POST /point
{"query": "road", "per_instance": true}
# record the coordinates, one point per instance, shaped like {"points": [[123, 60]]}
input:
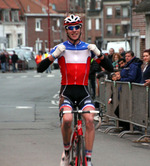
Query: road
{"points": [[30, 132]]}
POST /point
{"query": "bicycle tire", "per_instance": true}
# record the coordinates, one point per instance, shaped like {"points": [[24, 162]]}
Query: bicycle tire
{"points": [[73, 152], [80, 158]]}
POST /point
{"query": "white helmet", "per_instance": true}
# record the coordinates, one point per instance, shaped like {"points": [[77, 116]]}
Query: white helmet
{"points": [[72, 20]]}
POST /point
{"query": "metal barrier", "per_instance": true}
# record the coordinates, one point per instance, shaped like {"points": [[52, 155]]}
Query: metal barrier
{"points": [[131, 99]]}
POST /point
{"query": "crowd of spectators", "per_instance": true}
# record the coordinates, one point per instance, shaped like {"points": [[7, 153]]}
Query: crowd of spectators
{"points": [[127, 68], [131, 68]]}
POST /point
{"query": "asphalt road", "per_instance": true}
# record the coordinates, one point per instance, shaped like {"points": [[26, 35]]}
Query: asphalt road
{"points": [[30, 132]]}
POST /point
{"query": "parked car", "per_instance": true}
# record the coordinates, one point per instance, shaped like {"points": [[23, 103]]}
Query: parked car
{"points": [[27, 56], [22, 63]]}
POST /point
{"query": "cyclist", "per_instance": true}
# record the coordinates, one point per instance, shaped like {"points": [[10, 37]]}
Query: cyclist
{"points": [[74, 57]]}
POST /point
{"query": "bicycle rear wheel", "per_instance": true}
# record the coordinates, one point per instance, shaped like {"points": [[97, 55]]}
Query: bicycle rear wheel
{"points": [[73, 152], [80, 158]]}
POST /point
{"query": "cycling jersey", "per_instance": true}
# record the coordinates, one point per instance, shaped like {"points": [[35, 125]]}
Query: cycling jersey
{"points": [[74, 63]]}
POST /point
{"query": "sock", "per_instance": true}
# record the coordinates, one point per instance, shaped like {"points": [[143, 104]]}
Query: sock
{"points": [[88, 154], [67, 148]]}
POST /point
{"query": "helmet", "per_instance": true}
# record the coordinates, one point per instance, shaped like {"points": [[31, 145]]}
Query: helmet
{"points": [[72, 20]]}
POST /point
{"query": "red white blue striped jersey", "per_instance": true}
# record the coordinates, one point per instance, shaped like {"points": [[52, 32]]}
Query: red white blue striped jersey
{"points": [[74, 63]]}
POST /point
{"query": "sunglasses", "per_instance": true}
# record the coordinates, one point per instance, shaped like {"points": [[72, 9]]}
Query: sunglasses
{"points": [[72, 27]]}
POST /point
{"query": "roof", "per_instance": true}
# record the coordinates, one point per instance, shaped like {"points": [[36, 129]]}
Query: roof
{"points": [[144, 6], [8, 4], [33, 7], [61, 5]]}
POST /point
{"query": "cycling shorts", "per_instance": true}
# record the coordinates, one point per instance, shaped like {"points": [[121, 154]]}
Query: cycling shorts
{"points": [[73, 96]]}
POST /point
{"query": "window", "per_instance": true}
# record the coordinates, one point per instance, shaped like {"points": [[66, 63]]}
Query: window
{"points": [[117, 12], [53, 6], [38, 24], [109, 12], [125, 28], [1, 15], [8, 36], [6, 16], [88, 5], [97, 24], [14, 16], [109, 29], [89, 24], [56, 24], [125, 12], [89, 40], [118, 29], [19, 39], [98, 5]]}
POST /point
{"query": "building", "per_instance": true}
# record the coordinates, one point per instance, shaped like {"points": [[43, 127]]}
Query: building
{"points": [[138, 31], [116, 20], [142, 9], [12, 26], [43, 27], [93, 22]]}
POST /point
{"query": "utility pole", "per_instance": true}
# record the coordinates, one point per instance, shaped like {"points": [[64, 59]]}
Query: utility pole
{"points": [[86, 21], [48, 12], [67, 7], [131, 23]]}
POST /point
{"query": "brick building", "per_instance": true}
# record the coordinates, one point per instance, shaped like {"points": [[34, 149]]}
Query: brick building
{"points": [[35, 15], [93, 27], [116, 20], [142, 10], [138, 30]]}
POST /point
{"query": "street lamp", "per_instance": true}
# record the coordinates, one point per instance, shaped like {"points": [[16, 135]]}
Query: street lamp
{"points": [[48, 12]]}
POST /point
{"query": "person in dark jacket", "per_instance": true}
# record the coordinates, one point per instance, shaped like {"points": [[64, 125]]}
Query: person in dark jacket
{"points": [[3, 62], [132, 70], [110, 55], [94, 68], [122, 52], [14, 59], [146, 70]]}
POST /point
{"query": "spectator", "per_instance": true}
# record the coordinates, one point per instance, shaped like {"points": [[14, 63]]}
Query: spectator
{"points": [[122, 52], [3, 62], [94, 67], [14, 59], [7, 60], [49, 68], [147, 82], [146, 70], [110, 55], [115, 59], [118, 76], [121, 63], [104, 73], [132, 70], [39, 58]]}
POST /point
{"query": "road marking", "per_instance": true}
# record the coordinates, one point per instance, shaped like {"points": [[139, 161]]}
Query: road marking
{"points": [[9, 77], [23, 76], [145, 144], [53, 107], [56, 96], [50, 75], [23, 107], [54, 102], [37, 76]]}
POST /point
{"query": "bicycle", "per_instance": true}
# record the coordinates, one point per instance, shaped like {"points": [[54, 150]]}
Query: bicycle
{"points": [[77, 148]]}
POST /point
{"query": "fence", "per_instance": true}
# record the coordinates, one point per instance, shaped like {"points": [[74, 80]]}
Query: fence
{"points": [[131, 99]]}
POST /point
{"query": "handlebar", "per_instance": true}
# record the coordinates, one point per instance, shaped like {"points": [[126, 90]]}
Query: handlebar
{"points": [[80, 112]]}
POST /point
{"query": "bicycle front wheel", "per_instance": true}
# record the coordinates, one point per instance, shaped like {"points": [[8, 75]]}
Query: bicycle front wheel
{"points": [[80, 158]]}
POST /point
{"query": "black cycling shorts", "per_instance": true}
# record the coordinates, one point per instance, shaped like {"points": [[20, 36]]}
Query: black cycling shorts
{"points": [[73, 96]]}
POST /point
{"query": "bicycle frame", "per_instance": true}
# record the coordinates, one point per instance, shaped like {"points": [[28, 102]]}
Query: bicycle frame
{"points": [[77, 148]]}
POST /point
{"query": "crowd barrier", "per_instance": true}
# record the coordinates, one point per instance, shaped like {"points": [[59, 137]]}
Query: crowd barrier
{"points": [[131, 99]]}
